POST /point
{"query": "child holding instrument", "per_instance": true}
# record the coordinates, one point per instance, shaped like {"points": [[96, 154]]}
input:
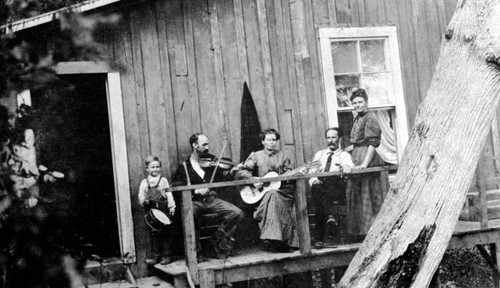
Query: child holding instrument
{"points": [[160, 207]]}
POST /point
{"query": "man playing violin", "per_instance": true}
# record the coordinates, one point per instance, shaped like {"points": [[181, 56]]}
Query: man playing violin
{"points": [[206, 201]]}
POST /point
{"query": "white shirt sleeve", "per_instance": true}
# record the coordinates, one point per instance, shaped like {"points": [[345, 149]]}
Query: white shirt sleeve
{"points": [[346, 160], [316, 158], [170, 199], [143, 188]]}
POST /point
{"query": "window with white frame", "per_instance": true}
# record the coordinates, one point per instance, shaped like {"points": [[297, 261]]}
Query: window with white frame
{"points": [[367, 58]]}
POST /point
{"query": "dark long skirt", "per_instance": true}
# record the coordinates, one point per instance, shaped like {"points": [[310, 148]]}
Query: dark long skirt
{"points": [[276, 217], [365, 194]]}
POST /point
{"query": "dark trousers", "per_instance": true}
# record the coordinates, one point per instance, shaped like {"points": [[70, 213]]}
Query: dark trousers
{"points": [[230, 214], [332, 189], [160, 242]]}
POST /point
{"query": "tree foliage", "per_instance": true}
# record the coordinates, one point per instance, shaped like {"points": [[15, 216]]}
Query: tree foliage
{"points": [[25, 9], [29, 252]]}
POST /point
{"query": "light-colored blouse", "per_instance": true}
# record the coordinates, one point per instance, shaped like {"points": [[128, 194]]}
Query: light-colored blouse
{"points": [[262, 162]]}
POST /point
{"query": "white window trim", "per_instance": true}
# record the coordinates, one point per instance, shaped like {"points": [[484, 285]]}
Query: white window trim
{"points": [[400, 117], [118, 148]]}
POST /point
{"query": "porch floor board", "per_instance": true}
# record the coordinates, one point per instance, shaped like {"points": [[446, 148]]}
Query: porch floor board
{"points": [[253, 263]]}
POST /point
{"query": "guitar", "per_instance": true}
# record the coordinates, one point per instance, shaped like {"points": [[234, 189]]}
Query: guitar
{"points": [[252, 195]]}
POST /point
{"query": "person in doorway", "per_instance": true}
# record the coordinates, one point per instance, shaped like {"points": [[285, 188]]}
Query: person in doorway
{"points": [[326, 190], [206, 201], [275, 212], [151, 196], [365, 192]]}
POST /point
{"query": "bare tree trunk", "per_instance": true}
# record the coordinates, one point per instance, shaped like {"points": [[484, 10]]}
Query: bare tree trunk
{"points": [[410, 235]]}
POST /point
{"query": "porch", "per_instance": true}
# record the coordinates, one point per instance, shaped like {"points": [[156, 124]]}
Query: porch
{"points": [[250, 264]]}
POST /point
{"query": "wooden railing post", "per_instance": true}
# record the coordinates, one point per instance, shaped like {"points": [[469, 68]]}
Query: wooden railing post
{"points": [[483, 202], [302, 217], [189, 235]]}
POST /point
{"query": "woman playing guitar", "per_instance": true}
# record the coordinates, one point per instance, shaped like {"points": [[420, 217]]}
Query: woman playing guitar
{"points": [[275, 212]]}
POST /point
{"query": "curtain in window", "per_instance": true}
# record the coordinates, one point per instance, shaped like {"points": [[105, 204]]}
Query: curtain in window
{"points": [[387, 148]]}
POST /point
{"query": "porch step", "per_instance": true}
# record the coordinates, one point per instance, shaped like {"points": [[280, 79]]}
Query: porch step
{"points": [[148, 282]]}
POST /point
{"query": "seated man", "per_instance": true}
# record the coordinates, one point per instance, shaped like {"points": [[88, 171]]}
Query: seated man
{"points": [[328, 189], [206, 201]]}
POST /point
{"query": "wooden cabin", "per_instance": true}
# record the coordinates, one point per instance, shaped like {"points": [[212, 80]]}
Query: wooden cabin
{"points": [[183, 67]]}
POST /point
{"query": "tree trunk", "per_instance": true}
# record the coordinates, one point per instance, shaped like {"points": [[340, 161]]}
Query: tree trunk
{"points": [[411, 233]]}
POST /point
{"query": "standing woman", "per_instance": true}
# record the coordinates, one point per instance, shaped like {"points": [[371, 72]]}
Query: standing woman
{"points": [[365, 192], [275, 213]]}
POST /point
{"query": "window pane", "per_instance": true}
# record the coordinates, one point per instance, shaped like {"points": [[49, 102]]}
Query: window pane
{"points": [[372, 55], [344, 85], [344, 57], [377, 87]]}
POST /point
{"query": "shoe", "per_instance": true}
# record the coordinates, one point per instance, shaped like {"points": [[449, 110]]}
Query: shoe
{"points": [[277, 247], [319, 245], [283, 248], [166, 260]]}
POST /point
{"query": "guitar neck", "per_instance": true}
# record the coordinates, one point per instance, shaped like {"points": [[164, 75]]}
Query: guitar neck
{"points": [[310, 167]]}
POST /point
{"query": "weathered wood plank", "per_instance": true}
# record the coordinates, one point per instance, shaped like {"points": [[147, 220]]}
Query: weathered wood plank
{"points": [[180, 60], [302, 217], [220, 89], [232, 73], [134, 138], [495, 134], [362, 18], [391, 12], [166, 86], [482, 196], [240, 38], [300, 50], [189, 235], [433, 30], [332, 13], [180, 86], [343, 12], [316, 99], [290, 58], [155, 103], [192, 101], [266, 63], [285, 266], [422, 46], [256, 84], [140, 94], [355, 15], [321, 13], [206, 78], [85, 67], [409, 62], [278, 66], [371, 12], [207, 279], [278, 178]]}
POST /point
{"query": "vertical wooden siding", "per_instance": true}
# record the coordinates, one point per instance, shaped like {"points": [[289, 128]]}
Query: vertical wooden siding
{"points": [[187, 60]]}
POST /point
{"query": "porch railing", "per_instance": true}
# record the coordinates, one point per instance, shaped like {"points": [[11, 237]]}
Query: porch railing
{"points": [[300, 205]]}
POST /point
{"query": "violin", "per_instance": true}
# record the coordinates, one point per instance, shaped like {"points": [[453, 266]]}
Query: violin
{"points": [[224, 163]]}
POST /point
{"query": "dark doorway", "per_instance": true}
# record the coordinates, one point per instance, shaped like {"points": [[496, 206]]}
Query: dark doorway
{"points": [[73, 137]]}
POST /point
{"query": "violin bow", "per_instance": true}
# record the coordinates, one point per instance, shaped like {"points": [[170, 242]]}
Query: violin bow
{"points": [[218, 161]]}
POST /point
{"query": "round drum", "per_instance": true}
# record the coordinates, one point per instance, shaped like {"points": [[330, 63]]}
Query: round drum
{"points": [[157, 220]]}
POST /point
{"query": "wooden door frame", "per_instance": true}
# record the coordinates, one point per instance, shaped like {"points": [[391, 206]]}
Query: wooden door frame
{"points": [[118, 148]]}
